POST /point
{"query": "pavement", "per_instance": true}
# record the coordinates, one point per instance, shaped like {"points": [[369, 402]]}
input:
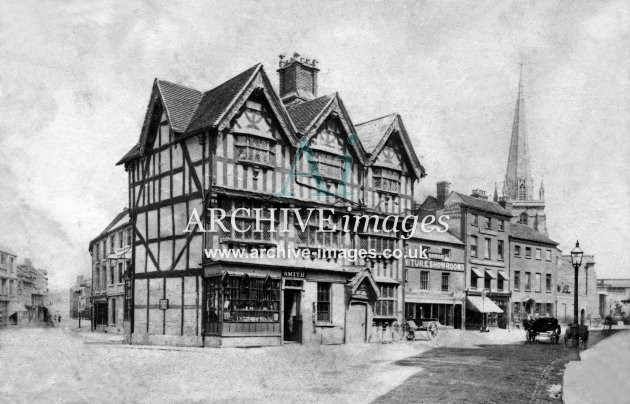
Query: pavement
{"points": [[603, 373]]}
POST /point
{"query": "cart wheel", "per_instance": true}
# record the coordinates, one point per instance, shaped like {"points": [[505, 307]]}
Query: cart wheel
{"points": [[432, 331]]}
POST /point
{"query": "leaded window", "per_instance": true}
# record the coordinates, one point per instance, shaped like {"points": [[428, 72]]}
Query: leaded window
{"points": [[376, 243], [386, 304], [386, 180], [313, 237], [253, 149], [245, 220]]}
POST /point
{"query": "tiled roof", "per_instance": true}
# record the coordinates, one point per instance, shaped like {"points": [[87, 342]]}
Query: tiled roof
{"points": [[483, 205], [120, 219], [523, 232], [216, 101], [434, 235], [304, 113], [181, 103], [371, 132], [131, 154]]}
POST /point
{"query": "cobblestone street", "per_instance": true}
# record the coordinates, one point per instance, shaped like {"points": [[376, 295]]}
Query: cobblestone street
{"points": [[487, 374]]}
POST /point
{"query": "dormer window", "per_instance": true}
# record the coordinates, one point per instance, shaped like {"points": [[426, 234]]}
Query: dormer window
{"points": [[386, 180], [255, 150]]}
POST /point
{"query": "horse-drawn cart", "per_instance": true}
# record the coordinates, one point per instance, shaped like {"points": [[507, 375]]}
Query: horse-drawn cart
{"points": [[545, 326], [608, 323], [428, 325], [578, 334]]}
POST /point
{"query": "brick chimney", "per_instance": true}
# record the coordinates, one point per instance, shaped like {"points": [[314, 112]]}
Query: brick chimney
{"points": [[479, 193], [298, 79], [443, 189]]}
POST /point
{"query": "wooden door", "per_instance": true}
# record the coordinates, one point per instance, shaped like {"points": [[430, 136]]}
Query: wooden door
{"points": [[356, 329]]}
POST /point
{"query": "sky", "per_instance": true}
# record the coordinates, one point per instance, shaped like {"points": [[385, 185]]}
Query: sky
{"points": [[76, 77]]}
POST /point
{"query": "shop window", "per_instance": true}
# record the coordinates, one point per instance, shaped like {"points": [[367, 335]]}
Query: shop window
{"points": [[445, 278], [424, 280], [253, 149], [386, 180], [528, 281], [517, 280], [243, 299], [473, 246], [488, 250], [500, 249], [517, 251], [548, 282], [528, 252], [323, 302], [386, 304]]}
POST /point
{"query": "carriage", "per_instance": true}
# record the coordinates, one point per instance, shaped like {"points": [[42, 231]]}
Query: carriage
{"points": [[578, 334], [429, 325], [546, 326]]}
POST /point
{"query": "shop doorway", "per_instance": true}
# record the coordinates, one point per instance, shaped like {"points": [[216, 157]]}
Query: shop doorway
{"points": [[457, 317], [292, 317], [356, 331]]}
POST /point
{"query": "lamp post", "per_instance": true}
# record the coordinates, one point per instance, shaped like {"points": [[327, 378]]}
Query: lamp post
{"points": [[484, 321], [576, 261]]}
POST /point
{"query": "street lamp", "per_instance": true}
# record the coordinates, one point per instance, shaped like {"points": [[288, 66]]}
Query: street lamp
{"points": [[484, 321], [576, 261]]}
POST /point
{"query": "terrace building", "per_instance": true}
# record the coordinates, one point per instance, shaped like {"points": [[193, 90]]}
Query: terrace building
{"points": [[237, 147], [111, 260], [9, 307]]}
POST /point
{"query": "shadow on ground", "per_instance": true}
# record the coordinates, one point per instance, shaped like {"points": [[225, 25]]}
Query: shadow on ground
{"points": [[487, 374]]}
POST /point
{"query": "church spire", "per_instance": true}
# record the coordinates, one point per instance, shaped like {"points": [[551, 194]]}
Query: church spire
{"points": [[518, 178]]}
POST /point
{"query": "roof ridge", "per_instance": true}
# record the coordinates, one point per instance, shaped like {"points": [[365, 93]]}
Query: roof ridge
{"points": [[178, 85], [376, 119]]}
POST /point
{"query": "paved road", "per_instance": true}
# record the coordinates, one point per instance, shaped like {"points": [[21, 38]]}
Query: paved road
{"points": [[489, 374]]}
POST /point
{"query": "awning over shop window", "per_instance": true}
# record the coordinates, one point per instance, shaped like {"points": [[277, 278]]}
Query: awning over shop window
{"points": [[491, 274], [478, 271], [503, 275], [481, 305]]}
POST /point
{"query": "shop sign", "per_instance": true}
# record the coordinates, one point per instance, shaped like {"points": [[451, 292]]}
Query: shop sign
{"points": [[293, 274], [163, 304], [436, 256], [433, 264]]}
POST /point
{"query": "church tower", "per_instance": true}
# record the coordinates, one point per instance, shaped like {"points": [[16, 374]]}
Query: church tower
{"points": [[518, 187]]}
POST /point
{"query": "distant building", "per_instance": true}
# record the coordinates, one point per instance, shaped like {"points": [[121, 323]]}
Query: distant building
{"points": [[8, 288], [518, 186], [614, 297], [80, 297], [32, 293], [588, 299], [111, 260]]}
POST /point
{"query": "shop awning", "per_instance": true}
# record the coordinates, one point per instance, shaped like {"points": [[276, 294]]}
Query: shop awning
{"points": [[478, 272], [491, 274], [481, 305], [504, 275]]}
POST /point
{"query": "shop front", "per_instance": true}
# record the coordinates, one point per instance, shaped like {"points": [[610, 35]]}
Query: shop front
{"points": [[256, 305], [487, 310]]}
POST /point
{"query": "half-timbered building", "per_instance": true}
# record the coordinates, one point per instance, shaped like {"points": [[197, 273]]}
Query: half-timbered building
{"points": [[240, 147]]}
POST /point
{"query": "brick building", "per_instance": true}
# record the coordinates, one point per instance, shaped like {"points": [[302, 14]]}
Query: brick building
{"points": [[111, 259], [9, 307], [233, 148], [534, 272], [434, 285]]}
